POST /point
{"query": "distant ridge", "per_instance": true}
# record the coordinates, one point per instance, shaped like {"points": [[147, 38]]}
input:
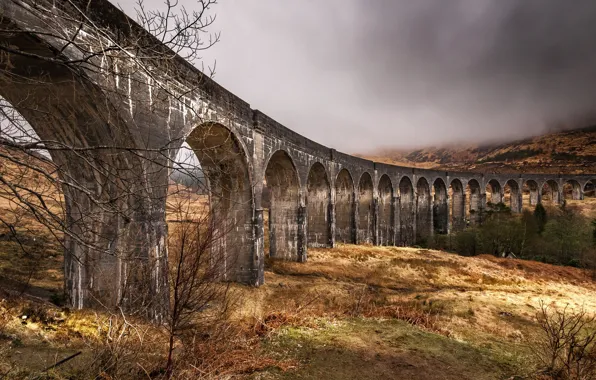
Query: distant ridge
{"points": [[566, 151]]}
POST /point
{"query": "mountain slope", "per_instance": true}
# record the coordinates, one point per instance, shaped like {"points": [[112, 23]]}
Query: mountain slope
{"points": [[568, 151]]}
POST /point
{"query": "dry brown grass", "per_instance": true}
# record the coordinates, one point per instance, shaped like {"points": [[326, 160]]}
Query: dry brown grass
{"points": [[487, 294], [120, 348], [479, 300]]}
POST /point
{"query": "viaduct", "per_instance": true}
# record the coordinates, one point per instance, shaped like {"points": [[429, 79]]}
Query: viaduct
{"points": [[314, 196]]}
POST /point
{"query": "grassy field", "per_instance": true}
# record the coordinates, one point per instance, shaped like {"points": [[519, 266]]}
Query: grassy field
{"points": [[357, 312]]}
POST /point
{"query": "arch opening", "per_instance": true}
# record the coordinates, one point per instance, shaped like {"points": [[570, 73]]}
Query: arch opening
{"points": [[572, 190], [474, 210], [386, 233], [365, 210], [550, 194], [457, 210], [344, 207], [317, 207], [33, 206], [494, 193], [281, 199], [530, 193], [590, 189], [424, 225], [512, 196], [407, 212], [440, 208], [230, 199]]}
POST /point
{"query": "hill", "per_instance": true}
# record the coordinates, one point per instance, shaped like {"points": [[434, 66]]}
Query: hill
{"points": [[571, 151]]}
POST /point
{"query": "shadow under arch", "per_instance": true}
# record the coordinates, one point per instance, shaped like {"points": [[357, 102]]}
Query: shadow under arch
{"points": [[494, 193], [474, 209], [440, 207], [225, 165], [512, 195], [423, 212], [457, 205], [407, 212], [386, 232], [344, 207], [530, 191], [590, 188], [550, 194], [281, 196], [318, 200], [365, 210], [572, 190]]}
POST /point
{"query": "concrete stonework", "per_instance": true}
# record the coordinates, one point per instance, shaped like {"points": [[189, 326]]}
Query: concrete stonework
{"points": [[314, 195]]}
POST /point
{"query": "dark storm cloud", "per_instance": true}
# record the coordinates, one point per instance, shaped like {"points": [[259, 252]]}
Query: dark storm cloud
{"points": [[482, 69], [360, 74]]}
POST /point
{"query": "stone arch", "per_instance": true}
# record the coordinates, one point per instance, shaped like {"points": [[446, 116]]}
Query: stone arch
{"points": [[494, 193], [512, 195], [344, 207], [530, 191], [407, 212], [590, 189], [550, 192], [365, 209], [474, 209], [74, 109], [457, 209], [572, 190], [225, 165], [423, 211], [281, 195], [318, 200], [440, 207], [386, 231]]}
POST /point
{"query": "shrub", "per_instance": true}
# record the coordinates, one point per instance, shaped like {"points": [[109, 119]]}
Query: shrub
{"points": [[512, 155], [466, 242], [566, 347]]}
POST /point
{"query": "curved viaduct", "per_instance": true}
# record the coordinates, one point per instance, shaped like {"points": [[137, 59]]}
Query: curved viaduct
{"points": [[314, 196]]}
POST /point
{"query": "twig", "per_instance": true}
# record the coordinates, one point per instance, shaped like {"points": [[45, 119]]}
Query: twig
{"points": [[62, 361]]}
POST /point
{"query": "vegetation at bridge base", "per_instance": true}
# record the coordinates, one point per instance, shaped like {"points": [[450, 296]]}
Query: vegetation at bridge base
{"points": [[560, 235]]}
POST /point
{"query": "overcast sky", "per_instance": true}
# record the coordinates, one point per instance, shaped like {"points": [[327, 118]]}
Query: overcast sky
{"points": [[363, 74]]}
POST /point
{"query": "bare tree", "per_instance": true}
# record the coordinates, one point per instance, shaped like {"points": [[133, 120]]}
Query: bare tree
{"points": [[566, 347], [199, 292], [79, 81]]}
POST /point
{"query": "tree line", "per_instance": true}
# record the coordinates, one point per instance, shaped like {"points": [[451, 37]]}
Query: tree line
{"points": [[557, 235]]}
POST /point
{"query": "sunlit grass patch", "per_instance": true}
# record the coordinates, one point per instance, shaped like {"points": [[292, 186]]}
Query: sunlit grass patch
{"points": [[372, 348]]}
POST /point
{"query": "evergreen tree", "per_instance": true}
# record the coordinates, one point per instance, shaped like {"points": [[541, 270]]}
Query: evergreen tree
{"points": [[540, 216]]}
